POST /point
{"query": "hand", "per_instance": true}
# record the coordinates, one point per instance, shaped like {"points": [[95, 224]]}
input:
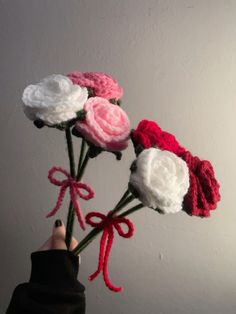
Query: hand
{"points": [[57, 239]]}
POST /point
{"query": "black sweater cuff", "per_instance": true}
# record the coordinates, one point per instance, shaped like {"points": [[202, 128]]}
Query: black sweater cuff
{"points": [[55, 267], [53, 286]]}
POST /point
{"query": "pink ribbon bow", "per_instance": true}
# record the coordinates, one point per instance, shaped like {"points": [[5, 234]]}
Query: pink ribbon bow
{"points": [[75, 191], [108, 224]]}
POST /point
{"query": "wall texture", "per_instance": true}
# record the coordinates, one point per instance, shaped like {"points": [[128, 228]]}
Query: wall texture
{"points": [[176, 60]]}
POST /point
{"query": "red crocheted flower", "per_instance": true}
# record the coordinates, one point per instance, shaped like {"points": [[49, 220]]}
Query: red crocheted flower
{"points": [[203, 193], [102, 85], [149, 134]]}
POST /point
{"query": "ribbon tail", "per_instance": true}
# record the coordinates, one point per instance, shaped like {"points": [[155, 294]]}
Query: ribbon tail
{"points": [[78, 210], [59, 202], [105, 265], [101, 256]]}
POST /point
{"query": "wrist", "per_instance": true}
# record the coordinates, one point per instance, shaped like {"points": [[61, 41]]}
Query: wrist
{"points": [[54, 267]]}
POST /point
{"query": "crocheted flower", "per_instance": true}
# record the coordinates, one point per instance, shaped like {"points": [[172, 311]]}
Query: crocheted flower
{"points": [[149, 134], [160, 179], [102, 85], [54, 100], [106, 125], [203, 193]]}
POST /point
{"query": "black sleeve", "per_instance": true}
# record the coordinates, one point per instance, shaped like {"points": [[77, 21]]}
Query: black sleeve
{"points": [[53, 286]]}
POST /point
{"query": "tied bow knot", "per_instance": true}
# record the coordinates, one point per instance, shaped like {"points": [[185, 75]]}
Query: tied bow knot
{"points": [[107, 224], [76, 190]]}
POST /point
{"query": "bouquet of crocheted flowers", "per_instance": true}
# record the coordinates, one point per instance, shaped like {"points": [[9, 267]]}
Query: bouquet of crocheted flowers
{"points": [[164, 176]]}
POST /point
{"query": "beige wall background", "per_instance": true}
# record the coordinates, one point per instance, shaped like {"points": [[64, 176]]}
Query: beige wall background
{"points": [[176, 60]]}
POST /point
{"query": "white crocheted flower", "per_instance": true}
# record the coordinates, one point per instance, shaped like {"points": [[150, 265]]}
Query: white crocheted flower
{"points": [[161, 180], [54, 100]]}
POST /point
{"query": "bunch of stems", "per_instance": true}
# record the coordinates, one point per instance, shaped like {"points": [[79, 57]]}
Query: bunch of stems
{"points": [[82, 163], [124, 201]]}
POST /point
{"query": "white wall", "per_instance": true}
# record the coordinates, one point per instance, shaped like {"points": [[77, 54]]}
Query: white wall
{"points": [[176, 60]]}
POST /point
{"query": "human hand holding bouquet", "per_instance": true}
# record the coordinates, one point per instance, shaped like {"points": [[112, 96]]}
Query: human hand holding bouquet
{"points": [[164, 175]]}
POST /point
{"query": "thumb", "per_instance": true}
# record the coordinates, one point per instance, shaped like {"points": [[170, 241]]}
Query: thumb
{"points": [[58, 236]]}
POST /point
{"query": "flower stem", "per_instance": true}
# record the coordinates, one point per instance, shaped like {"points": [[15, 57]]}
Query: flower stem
{"points": [[125, 195], [131, 210], [122, 205], [85, 242], [81, 156], [71, 214], [70, 152], [83, 166], [126, 199], [69, 225]]}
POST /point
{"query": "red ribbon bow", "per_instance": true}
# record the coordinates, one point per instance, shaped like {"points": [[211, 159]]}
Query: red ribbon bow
{"points": [[108, 224], [75, 190]]}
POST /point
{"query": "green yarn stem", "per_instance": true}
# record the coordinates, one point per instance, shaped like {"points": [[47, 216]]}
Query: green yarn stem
{"points": [[125, 195], [122, 204], [70, 225], [85, 242], [126, 199], [70, 152], [131, 210], [71, 212], [83, 166], [81, 157]]}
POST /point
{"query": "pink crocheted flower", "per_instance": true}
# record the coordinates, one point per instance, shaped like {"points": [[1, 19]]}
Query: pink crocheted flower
{"points": [[106, 125], [103, 85]]}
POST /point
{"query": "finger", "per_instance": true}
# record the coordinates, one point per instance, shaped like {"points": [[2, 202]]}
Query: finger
{"points": [[47, 245], [73, 245], [58, 236]]}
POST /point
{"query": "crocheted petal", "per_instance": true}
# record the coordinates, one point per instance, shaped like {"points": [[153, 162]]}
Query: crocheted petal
{"points": [[113, 146], [202, 201], [141, 138], [81, 79], [104, 120], [209, 184], [102, 84], [104, 130], [112, 119], [190, 200], [88, 135]]}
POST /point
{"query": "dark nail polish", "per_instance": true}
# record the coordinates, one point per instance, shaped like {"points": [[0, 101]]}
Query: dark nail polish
{"points": [[58, 223]]}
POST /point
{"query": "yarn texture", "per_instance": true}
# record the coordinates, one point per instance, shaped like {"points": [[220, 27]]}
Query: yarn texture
{"points": [[54, 100], [108, 224], [161, 180], [102, 84], [75, 188], [106, 125], [149, 134], [203, 194], [164, 176]]}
